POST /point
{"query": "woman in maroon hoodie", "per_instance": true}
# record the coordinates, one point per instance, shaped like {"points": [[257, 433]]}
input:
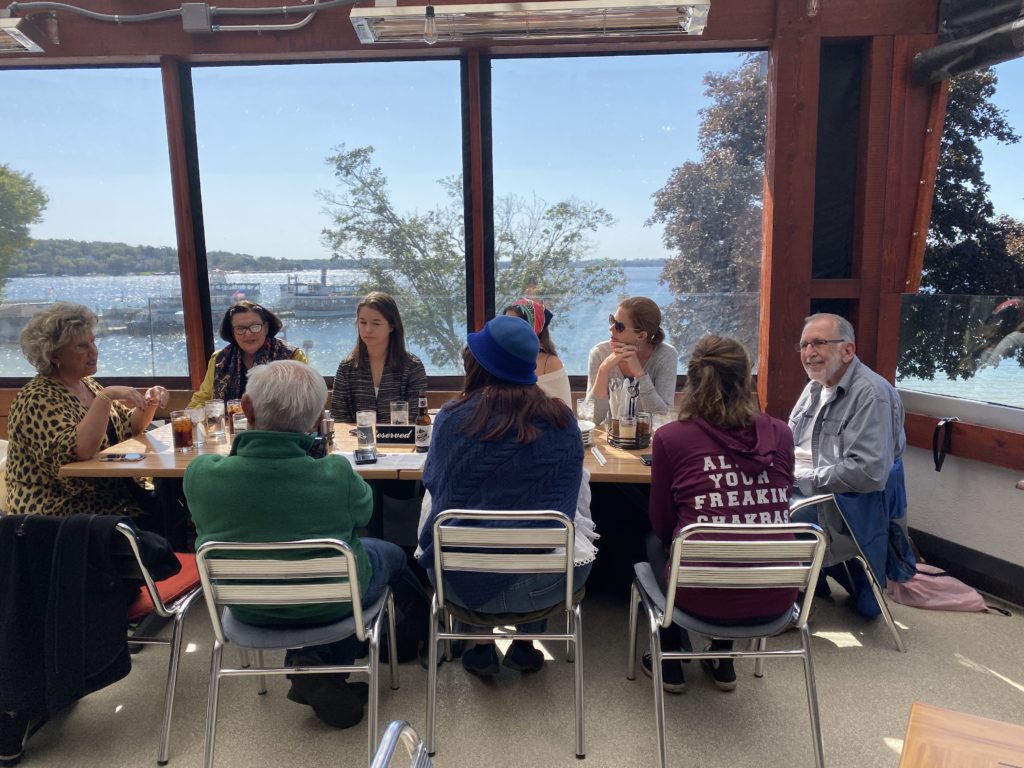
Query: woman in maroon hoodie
{"points": [[722, 462]]}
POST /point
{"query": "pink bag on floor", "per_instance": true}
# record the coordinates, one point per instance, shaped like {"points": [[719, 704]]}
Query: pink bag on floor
{"points": [[935, 589]]}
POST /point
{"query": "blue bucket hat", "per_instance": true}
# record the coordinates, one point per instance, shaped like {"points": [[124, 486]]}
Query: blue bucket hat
{"points": [[507, 349]]}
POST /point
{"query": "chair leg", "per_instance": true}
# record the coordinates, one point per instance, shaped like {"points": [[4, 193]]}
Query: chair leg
{"points": [[432, 674], [575, 618], [634, 606], [449, 626], [372, 702], [570, 646], [211, 704], [392, 643], [659, 694], [876, 589], [812, 697], [261, 680], [761, 643], [173, 662]]}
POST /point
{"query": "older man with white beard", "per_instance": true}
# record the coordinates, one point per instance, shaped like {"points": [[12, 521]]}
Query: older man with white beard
{"points": [[848, 434]]}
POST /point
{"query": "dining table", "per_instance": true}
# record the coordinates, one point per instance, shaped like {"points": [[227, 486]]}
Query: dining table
{"points": [[606, 463]]}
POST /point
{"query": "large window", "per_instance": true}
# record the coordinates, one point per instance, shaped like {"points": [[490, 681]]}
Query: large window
{"points": [[359, 163], [86, 212], [963, 335], [625, 176]]}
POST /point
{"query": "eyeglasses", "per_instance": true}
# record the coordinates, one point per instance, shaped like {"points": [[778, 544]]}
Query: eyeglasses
{"points": [[619, 327], [253, 329], [818, 344]]}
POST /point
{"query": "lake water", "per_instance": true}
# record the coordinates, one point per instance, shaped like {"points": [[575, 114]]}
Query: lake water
{"points": [[328, 341]]}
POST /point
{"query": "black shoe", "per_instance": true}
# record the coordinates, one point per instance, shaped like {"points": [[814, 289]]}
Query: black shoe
{"points": [[361, 689], [672, 679], [723, 672], [13, 732], [337, 706], [523, 657], [481, 660]]}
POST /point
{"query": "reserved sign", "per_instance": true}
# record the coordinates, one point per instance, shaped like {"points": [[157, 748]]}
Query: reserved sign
{"points": [[388, 434]]}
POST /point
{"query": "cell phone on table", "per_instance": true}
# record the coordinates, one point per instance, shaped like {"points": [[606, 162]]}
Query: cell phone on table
{"points": [[646, 459], [365, 455], [121, 456]]}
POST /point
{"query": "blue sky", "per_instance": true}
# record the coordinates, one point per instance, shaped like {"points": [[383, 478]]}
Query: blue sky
{"points": [[608, 130]]}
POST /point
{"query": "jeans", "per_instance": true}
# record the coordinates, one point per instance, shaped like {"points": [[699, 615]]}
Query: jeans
{"points": [[528, 593], [386, 561]]}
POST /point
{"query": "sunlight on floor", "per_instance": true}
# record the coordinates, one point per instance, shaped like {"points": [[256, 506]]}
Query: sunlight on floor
{"points": [[191, 648], [982, 668], [840, 639], [896, 745]]}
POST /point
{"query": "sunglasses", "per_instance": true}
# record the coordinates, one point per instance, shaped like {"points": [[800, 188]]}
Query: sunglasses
{"points": [[619, 327]]}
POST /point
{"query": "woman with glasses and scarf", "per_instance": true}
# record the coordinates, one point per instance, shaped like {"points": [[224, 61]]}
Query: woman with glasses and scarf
{"points": [[636, 350], [250, 331]]}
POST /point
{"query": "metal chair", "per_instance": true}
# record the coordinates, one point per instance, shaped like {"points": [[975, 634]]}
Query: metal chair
{"points": [[168, 599], [753, 557], [843, 547], [503, 546], [261, 574], [400, 732]]}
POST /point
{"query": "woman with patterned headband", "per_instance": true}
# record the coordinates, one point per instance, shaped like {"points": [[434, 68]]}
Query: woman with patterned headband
{"points": [[250, 331], [551, 374]]}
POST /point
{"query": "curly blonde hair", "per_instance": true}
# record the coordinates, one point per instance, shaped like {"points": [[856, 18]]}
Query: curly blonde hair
{"points": [[52, 329]]}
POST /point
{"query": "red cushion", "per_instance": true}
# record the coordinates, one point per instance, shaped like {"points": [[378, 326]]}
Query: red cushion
{"points": [[169, 589]]}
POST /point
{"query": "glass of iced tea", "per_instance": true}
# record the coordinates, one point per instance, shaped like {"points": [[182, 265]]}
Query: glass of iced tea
{"points": [[231, 408], [182, 431]]}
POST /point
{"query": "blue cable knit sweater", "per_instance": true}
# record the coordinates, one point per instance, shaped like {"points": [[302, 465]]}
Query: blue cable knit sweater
{"points": [[464, 472]]}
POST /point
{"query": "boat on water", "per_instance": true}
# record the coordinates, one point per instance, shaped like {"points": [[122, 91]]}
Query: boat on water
{"points": [[305, 301], [164, 315]]}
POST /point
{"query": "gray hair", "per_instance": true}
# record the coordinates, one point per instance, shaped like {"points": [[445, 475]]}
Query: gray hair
{"points": [[843, 326], [53, 329], [287, 396]]}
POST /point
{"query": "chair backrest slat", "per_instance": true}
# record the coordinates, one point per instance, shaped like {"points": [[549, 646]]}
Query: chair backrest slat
{"points": [[281, 594], [511, 563], [316, 567], [700, 550], [476, 536], [546, 535], [742, 578], [283, 573]]}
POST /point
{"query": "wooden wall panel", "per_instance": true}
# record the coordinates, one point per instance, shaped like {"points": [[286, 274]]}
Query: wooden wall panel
{"points": [[970, 441]]}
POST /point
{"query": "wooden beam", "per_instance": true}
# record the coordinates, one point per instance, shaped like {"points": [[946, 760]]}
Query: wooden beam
{"points": [[788, 213], [181, 148], [926, 185], [476, 279]]}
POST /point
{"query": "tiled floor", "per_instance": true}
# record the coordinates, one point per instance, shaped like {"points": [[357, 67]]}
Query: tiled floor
{"points": [[968, 662]]}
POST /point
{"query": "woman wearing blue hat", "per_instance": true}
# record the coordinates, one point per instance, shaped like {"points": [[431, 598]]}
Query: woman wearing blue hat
{"points": [[503, 425]]}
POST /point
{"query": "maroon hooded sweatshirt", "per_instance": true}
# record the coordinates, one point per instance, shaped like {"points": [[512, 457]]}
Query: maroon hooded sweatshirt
{"points": [[701, 473]]}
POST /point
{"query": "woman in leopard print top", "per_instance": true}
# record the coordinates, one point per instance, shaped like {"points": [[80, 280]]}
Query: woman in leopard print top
{"points": [[64, 415]]}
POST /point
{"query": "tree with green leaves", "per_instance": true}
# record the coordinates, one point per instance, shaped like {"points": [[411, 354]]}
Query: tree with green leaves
{"points": [[973, 258], [22, 202], [420, 257], [711, 210]]}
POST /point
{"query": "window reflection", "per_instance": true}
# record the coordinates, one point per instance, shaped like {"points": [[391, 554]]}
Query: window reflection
{"points": [[323, 182], [626, 176], [93, 143]]}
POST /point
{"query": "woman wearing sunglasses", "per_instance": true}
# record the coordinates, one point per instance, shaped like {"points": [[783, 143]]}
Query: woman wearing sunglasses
{"points": [[635, 350], [250, 331]]}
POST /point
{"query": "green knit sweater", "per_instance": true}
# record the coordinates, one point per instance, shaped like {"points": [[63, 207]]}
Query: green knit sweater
{"points": [[268, 489]]}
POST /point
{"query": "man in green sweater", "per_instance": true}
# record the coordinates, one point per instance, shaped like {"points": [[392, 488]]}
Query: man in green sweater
{"points": [[269, 489]]}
